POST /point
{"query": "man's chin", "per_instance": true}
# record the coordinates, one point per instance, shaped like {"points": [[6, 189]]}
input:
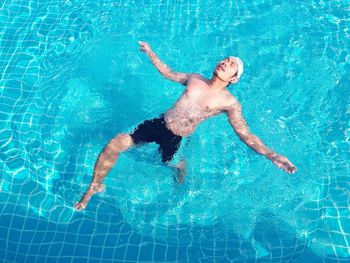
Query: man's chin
{"points": [[217, 75]]}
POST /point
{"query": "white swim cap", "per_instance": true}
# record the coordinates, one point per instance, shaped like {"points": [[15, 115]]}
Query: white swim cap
{"points": [[240, 66]]}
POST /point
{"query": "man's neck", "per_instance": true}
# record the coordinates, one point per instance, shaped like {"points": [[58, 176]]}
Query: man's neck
{"points": [[217, 83]]}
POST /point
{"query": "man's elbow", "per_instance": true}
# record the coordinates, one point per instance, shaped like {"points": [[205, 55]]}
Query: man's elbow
{"points": [[244, 136]]}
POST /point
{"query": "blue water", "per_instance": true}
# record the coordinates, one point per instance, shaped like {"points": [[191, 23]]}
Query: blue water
{"points": [[72, 78]]}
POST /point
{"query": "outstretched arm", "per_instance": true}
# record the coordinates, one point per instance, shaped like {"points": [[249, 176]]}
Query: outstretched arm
{"points": [[162, 67], [234, 113]]}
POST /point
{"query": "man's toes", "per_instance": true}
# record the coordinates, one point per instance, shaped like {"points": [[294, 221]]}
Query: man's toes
{"points": [[100, 188], [79, 206]]}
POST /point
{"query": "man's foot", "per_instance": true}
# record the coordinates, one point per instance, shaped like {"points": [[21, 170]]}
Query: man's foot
{"points": [[93, 189]]}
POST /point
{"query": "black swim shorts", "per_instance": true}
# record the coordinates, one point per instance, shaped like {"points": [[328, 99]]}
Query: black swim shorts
{"points": [[155, 130]]}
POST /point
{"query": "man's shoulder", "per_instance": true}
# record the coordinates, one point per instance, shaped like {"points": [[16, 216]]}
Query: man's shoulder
{"points": [[231, 102], [196, 78], [196, 75]]}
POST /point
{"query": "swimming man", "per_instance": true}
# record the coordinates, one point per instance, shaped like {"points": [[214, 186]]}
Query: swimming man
{"points": [[202, 99]]}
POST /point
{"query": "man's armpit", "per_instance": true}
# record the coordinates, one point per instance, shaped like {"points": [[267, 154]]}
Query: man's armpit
{"points": [[184, 77], [179, 77]]}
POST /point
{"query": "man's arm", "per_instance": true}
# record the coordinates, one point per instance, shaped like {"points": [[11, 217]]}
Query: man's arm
{"points": [[162, 67], [234, 113]]}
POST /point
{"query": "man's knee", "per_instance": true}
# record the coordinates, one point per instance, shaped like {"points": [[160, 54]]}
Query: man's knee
{"points": [[181, 165], [121, 142]]}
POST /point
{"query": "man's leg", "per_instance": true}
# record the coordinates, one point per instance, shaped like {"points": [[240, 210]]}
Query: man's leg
{"points": [[168, 150], [103, 165], [181, 171]]}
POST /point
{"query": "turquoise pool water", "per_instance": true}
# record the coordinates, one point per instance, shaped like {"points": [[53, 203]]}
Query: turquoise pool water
{"points": [[72, 77]]}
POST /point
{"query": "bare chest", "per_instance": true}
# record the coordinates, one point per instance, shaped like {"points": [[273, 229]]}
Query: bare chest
{"points": [[203, 100], [198, 103]]}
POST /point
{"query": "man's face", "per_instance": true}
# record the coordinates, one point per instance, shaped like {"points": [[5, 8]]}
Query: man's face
{"points": [[227, 69]]}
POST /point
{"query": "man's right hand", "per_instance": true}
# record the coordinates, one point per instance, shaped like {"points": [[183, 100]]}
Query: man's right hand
{"points": [[144, 47]]}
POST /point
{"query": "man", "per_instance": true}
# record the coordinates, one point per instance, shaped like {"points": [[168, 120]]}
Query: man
{"points": [[202, 98]]}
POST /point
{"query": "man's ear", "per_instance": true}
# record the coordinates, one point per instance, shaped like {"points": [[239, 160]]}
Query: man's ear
{"points": [[234, 80]]}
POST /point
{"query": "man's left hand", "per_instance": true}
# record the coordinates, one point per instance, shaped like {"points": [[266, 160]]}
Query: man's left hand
{"points": [[283, 163]]}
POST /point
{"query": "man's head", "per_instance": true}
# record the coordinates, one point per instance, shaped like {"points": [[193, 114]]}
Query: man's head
{"points": [[229, 69]]}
